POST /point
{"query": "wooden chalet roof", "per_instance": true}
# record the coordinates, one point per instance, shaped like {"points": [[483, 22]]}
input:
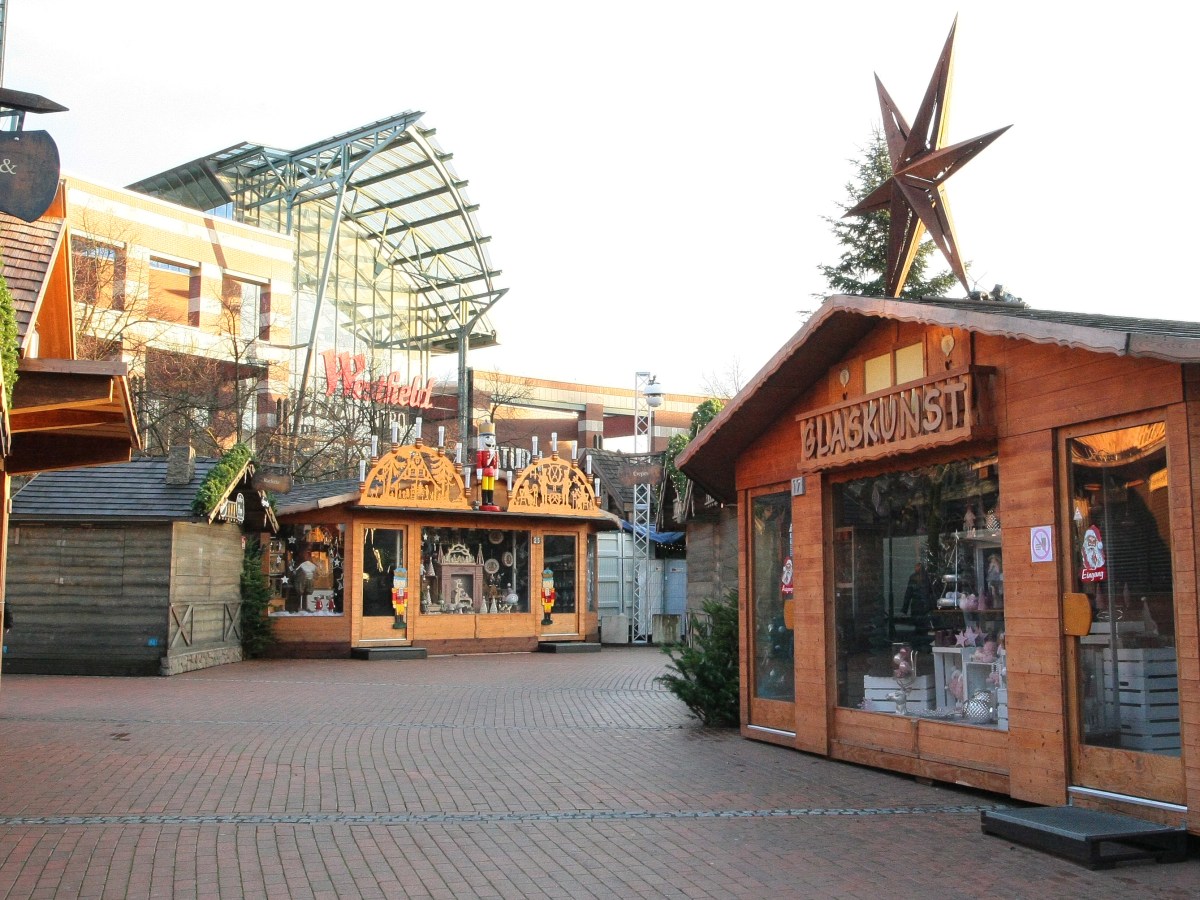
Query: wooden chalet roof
{"points": [[320, 495], [28, 250], [64, 412], [843, 320], [135, 490], [610, 465]]}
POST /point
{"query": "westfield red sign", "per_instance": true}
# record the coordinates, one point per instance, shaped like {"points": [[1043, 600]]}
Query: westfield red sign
{"points": [[350, 373]]}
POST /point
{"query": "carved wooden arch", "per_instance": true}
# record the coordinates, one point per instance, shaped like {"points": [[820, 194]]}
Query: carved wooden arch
{"points": [[415, 475], [553, 486]]}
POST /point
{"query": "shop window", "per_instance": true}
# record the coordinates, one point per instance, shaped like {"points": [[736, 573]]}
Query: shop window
{"points": [[590, 583], [473, 571], [172, 285], [919, 593], [910, 363], [243, 305], [384, 570], [888, 369], [98, 270], [1121, 559], [306, 563], [772, 579], [559, 558], [877, 373]]}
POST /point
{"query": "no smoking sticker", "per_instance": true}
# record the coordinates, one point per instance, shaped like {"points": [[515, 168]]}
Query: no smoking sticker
{"points": [[1041, 543]]}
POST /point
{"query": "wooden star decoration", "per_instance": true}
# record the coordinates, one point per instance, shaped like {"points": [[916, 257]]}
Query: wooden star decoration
{"points": [[969, 637], [915, 194]]}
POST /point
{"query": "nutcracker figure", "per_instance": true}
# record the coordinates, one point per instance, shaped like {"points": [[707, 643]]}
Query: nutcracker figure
{"points": [[548, 596], [400, 597], [487, 460]]}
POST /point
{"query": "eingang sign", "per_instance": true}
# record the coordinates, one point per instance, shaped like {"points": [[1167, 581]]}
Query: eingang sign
{"points": [[350, 372]]}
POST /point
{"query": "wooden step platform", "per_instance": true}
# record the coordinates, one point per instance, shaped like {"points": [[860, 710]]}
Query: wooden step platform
{"points": [[377, 653], [1098, 840], [568, 647]]}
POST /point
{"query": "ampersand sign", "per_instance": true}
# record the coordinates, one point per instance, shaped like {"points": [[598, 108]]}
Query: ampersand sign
{"points": [[29, 170]]}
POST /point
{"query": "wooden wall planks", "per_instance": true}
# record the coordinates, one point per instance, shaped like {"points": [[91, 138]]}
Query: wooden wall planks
{"points": [[1038, 390]]}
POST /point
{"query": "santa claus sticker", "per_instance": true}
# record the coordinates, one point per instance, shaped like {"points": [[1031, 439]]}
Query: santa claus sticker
{"points": [[1093, 556]]}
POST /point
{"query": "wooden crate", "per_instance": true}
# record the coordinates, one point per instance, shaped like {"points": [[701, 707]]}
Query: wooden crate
{"points": [[1146, 697], [877, 694]]}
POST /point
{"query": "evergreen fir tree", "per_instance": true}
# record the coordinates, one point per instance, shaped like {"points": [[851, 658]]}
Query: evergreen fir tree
{"points": [[704, 671], [256, 625], [862, 267]]}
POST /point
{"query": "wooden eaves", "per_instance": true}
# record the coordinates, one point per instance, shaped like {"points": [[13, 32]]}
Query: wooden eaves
{"points": [[844, 320], [68, 413]]}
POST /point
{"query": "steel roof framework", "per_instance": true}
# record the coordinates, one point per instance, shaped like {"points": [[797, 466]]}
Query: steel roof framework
{"points": [[385, 235]]}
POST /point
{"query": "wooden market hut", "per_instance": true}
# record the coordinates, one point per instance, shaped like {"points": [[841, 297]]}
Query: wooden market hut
{"points": [[113, 572], [968, 548], [63, 411], [411, 533]]}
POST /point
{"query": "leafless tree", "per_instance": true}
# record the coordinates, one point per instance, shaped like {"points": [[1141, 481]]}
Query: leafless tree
{"points": [[725, 384], [116, 314], [193, 385], [498, 391]]}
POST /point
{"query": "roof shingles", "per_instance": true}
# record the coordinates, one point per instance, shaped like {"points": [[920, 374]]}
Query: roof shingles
{"points": [[136, 490]]}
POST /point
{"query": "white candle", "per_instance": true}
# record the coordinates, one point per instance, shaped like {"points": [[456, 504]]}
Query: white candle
{"points": [[589, 464], [418, 427], [441, 435], [574, 450], [554, 442], [510, 479], [596, 482], [362, 471], [467, 477], [395, 432], [458, 454], [374, 446], [535, 445]]}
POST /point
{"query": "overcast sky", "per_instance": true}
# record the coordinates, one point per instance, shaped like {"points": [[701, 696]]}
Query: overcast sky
{"points": [[654, 175]]}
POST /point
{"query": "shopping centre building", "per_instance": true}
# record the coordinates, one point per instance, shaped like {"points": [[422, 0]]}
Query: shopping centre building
{"points": [[298, 300]]}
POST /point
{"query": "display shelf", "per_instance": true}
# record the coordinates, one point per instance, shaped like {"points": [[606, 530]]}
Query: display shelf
{"points": [[979, 575], [975, 676]]}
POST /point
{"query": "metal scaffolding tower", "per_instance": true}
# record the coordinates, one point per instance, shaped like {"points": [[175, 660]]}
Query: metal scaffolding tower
{"points": [[647, 395]]}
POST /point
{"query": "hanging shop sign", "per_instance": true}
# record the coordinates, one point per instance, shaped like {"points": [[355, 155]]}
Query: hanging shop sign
{"points": [[928, 413], [349, 372], [634, 475], [29, 170]]}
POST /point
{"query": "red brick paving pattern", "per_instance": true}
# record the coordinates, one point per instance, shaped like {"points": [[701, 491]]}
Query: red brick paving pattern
{"points": [[519, 775]]}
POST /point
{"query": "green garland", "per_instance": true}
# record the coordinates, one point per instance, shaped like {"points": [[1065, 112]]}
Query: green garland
{"points": [[705, 413], [220, 478], [9, 355]]}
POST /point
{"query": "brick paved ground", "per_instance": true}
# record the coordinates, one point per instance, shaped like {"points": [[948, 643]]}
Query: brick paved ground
{"points": [[522, 775]]}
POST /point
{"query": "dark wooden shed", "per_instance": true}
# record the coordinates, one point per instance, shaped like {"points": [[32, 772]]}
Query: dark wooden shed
{"points": [[110, 572]]}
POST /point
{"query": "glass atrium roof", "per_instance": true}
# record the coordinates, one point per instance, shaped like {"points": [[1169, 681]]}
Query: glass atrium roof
{"points": [[410, 263]]}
